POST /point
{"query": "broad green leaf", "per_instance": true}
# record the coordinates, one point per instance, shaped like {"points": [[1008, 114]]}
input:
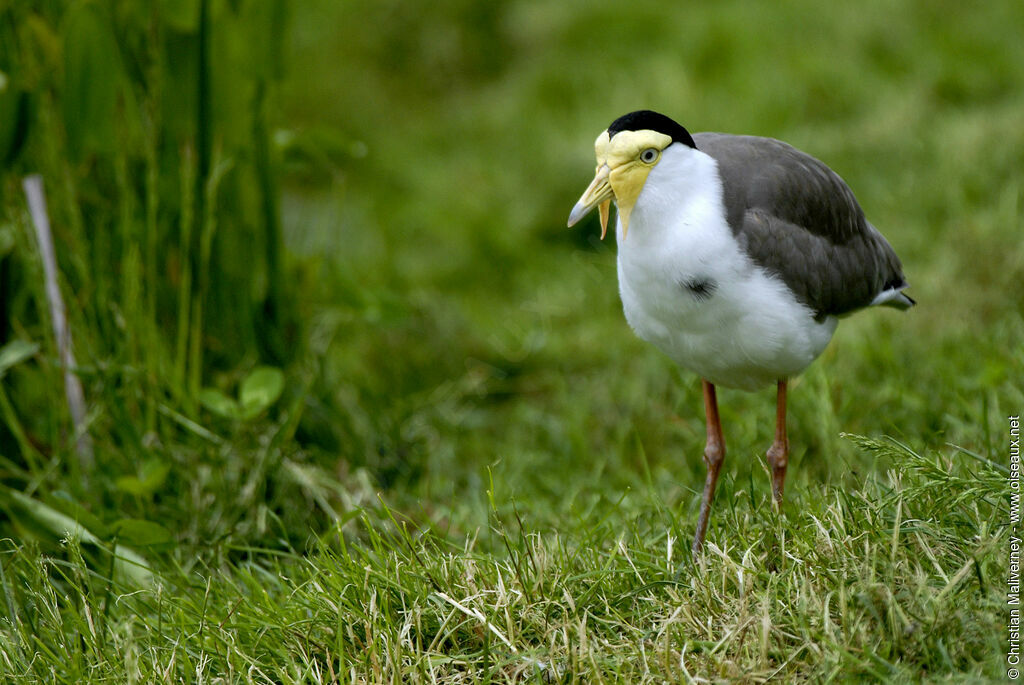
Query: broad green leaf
{"points": [[66, 504], [142, 533], [48, 522], [218, 403], [154, 471], [151, 476], [133, 485], [43, 517], [91, 76], [259, 390], [14, 353]]}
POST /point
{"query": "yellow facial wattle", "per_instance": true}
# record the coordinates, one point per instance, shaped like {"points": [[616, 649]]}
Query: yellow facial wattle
{"points": [[623, 163]]}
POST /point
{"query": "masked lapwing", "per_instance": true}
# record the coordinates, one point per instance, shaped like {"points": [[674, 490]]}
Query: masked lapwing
{"points": [[737, 256]]}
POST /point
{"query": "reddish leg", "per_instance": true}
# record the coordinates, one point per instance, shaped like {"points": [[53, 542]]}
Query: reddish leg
{"points": [[778, 453], [714, 454]]}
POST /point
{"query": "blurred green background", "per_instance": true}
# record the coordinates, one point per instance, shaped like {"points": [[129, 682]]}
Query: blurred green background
{"points": [[370, 197], [314, 258]]}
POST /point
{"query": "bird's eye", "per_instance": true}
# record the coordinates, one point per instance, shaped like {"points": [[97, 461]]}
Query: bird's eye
{"points": [[649, 156]]}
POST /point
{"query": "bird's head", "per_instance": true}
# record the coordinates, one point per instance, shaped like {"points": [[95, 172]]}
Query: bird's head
{"points": [[626, 153]]}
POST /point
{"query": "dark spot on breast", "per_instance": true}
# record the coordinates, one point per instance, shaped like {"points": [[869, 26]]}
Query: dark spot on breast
{"points": [[700, 287]]}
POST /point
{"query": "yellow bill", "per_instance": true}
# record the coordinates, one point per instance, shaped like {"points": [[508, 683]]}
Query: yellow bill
{"points": [[623, 164], [598, 194]]}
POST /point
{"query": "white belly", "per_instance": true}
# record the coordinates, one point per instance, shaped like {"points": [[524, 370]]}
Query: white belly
{"points": [[747, 334]]}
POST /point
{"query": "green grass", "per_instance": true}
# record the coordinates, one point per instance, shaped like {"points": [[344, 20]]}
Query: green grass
{"points": [[890, 580], [475, 472]]}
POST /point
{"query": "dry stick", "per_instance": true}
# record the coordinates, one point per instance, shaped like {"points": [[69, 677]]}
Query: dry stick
{"points": [[33, 186]]}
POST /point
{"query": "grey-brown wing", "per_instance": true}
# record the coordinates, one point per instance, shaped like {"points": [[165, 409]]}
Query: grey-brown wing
{"points": [[798, 219]]}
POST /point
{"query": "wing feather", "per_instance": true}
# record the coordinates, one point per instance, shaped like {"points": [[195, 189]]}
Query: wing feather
{"points": [[798, 219]]}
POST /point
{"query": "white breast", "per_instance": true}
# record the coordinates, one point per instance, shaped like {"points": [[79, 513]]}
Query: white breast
{"points": [[744, 332]]}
